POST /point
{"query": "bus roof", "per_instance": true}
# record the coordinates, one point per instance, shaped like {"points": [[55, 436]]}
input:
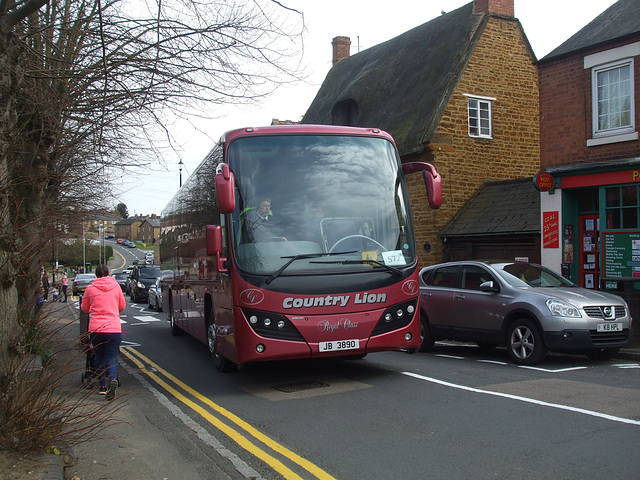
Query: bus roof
{"points": [[303, 130]]}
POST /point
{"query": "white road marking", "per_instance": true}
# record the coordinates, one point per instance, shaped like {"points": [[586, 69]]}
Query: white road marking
{"points": [[524, 399], [549, 370], [146, 318]]}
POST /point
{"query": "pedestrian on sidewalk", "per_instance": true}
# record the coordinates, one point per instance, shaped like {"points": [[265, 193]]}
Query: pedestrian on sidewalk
{"points": [[45, 286], [103, 301], [64, 283]]}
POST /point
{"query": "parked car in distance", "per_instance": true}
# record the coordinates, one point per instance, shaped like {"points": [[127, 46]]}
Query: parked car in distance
{"points": [[154, 300], [121, 278], [523, 306], [119, 241], [81, 282], [141, 278], [109, 236]]}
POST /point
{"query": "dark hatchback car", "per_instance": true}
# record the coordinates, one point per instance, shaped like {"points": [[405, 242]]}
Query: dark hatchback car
{"points": [[121, 278], [81, 282], [140, 279], [523, 306]]}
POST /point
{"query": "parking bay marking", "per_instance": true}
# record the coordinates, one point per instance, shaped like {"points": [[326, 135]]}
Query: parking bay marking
{"points": [[523, 399]]}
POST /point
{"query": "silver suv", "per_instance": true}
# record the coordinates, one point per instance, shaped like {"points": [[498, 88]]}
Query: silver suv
{"points": [[526, 307]]}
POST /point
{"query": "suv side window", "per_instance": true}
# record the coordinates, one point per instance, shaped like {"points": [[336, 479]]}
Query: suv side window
{"points": [[444, 277], [473, 276]]}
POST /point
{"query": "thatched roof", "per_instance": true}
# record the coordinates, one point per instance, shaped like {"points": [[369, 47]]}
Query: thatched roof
{"points": [[404, 84]]}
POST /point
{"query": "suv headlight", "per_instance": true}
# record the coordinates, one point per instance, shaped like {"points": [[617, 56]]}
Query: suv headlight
{"points": [[141, 285], [559, 308]]}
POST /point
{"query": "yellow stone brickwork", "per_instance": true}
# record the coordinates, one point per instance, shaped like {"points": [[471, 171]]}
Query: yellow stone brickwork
{"points": [[501, 67]]}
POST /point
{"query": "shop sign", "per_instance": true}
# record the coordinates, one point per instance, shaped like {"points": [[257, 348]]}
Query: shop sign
{"points": [[603, 178], [621, 255], [544, 181], [550, 230]]}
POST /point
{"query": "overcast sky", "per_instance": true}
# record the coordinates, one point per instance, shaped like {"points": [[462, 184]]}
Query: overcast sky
{"points": [[547, 24]]}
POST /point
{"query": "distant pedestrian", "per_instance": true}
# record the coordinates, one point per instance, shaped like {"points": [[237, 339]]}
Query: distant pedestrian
{"points": [[64, 283], [39, 301], [45, 286], [103, 301]]}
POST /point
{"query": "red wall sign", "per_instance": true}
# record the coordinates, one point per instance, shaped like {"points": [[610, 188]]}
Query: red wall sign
{"points": [[550, 230]]}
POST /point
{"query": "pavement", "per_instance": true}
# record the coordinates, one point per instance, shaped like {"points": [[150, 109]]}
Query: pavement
{"points": [[127, 450]]}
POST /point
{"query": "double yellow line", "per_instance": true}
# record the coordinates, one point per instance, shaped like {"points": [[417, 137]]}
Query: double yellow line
{"points": [[233, 431]]}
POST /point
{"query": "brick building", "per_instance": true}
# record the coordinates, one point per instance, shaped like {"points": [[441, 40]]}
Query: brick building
{"points": [[460, 91], [589, 104], [149, 230], [128, 228]]}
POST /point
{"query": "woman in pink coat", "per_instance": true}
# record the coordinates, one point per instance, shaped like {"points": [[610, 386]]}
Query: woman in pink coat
{"points": [[104, 301]]}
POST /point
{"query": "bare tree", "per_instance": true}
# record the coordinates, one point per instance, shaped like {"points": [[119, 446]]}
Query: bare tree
{"points": [[87, 89]]}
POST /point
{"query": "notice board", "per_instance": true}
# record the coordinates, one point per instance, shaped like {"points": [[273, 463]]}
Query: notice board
{"points": [[621, 254]]}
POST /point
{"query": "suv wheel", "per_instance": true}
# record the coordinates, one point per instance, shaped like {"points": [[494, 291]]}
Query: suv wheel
{"points": [[426, 339], [524, 342]]}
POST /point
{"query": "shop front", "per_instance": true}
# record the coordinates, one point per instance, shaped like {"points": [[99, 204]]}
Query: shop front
{"points": [[597, 227]]}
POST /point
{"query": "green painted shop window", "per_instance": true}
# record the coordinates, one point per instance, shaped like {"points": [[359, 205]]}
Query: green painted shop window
{"points": [[622, 207]]}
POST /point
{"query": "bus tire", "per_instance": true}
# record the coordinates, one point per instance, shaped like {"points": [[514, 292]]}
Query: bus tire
{"points": [[176, 331], [221, 363]]}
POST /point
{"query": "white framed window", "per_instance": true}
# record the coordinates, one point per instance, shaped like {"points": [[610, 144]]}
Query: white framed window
{"points": [[612, 99], [479, 109]]}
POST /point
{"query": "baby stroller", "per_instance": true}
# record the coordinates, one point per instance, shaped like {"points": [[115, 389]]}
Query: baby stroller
{"points": [[89, 376]]}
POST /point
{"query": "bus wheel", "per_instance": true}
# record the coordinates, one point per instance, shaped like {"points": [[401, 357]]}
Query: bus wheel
{"points": [[175, 329], [221, 363]]}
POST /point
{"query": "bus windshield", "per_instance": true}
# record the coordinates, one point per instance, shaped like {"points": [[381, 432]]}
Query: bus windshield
{"points": [[319, 204]]}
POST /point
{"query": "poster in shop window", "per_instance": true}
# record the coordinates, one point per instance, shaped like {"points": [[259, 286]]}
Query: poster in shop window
{"points": [[621, 254], [550, 229]]}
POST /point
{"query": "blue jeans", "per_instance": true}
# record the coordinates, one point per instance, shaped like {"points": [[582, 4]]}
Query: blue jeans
{"points": [[106, 347]]}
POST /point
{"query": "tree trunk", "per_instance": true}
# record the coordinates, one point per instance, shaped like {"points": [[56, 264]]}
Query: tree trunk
{"points": [[10, 79]]}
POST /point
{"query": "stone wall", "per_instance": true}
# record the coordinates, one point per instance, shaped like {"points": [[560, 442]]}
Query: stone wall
{"points": [[500, 67]]}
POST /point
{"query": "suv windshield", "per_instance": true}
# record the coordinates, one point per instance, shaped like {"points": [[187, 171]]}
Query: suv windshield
{"points": [[521, 274], [149, 272], [304, 196]]}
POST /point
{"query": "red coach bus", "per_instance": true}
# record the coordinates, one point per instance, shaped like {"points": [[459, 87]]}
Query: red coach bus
{"points": [[293, 242]]}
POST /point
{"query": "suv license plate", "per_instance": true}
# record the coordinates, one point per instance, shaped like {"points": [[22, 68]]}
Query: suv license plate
{"points": [[339, 345], [609, 327]]}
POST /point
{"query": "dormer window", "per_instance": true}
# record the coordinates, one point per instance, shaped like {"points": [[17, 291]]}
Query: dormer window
{"points": [[479, 116], [345, 113]]}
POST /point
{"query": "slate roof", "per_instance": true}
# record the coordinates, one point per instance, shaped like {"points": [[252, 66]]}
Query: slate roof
{"points": [[619, 20], [498, 208], [404, 84], [154, 222]]}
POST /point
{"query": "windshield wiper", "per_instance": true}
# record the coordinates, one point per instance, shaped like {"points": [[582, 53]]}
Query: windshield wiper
{"points": [[395, 270], [293, 258]]}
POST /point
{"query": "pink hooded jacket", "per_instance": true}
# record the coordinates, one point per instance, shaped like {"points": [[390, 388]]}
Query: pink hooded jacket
{"points": [[104, 300]]}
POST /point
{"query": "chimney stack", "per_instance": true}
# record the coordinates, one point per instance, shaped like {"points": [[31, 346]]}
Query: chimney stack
{"points": [[499, 7], [341, 48]]}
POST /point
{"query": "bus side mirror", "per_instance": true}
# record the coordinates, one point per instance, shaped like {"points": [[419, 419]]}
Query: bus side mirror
{"points": [[214, 245], [432, 181], [225, 189]]}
